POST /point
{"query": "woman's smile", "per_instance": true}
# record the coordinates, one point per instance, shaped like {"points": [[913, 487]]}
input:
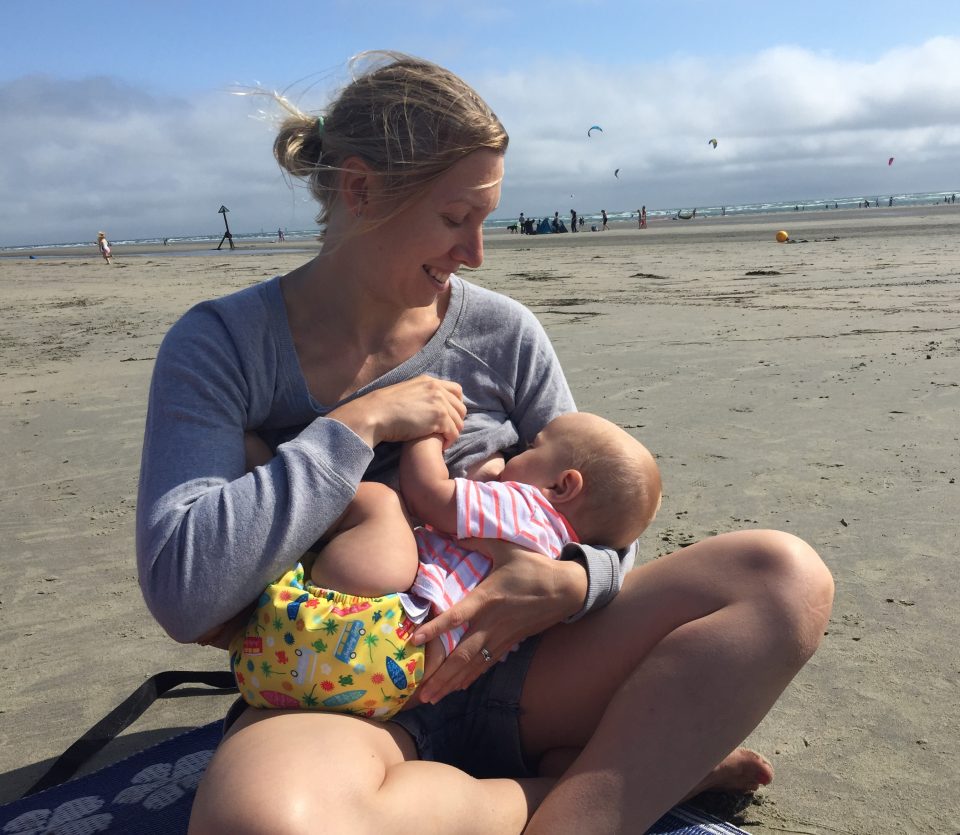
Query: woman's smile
{"points": [[438, 277]]}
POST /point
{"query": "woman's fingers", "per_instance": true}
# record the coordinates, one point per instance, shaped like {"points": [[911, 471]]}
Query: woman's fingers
{"points": [[465, 663], [424, 406], [411, 409], [523, 595]]}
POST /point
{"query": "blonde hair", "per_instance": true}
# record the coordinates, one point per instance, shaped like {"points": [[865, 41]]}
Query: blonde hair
{"points": [[410, 120]]}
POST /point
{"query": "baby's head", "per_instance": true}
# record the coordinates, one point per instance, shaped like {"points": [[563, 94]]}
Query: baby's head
{"points": [[604, 481]]}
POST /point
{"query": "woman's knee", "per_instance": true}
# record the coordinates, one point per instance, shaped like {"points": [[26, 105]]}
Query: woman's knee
{"points": [[793, 577], [237, 796], [255, 784]]}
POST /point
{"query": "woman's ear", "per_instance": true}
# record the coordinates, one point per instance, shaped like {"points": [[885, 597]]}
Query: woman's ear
{"points": [[356, 180], [568, 486]]}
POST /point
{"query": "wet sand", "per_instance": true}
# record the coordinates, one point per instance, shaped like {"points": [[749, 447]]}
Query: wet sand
{"points": [[812, 387]]}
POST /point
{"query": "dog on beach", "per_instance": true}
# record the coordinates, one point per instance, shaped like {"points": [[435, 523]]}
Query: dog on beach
{"points": [[512, 228]]}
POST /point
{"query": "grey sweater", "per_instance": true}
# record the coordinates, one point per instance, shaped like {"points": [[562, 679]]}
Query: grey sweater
{"points": [[211, 536]]}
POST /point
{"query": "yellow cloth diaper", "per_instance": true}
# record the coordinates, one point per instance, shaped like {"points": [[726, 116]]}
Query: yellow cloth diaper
{"points": [[307, 647]]}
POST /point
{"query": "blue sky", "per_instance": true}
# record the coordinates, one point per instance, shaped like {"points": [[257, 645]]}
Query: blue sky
{"points": [[116, 115]]}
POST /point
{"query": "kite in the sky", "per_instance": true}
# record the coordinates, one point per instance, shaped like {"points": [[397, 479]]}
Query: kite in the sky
{"points": [[890, 161], [593, 128], [712, 142], [617, 173]]}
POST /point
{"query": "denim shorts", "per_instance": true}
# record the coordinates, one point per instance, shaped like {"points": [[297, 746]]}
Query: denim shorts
{"points": [[477, 729]]}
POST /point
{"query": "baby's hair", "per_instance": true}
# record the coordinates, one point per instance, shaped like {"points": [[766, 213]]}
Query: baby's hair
{"points": [[410, 120], [621, 483]]}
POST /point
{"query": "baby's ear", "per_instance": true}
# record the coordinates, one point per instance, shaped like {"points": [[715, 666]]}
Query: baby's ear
{"points": [[568, 486]]}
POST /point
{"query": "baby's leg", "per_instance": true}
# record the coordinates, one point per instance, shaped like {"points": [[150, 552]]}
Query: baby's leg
{"points": [[372, 551]]}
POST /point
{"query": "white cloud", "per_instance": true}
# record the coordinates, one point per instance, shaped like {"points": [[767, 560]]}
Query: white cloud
{"points": [[790, 124], [83, 156]]}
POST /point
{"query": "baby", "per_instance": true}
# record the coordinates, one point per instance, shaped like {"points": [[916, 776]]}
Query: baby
{"points": [[583, 479]]}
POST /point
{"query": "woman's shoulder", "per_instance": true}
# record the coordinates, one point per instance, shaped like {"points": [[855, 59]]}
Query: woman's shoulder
{"points": [[251, 310], [246, 325]]}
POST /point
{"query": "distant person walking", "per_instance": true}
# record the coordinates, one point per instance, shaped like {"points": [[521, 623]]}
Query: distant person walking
{"points": [[604, 227], [104, 246], [280, 236], [643, 217], [573, 220]]}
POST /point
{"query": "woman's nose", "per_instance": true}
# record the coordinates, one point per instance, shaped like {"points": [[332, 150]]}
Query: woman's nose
{"points": [[469, 251]]}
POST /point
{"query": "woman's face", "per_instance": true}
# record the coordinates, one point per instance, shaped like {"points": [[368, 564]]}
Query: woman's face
{"points": [[441, 231]]}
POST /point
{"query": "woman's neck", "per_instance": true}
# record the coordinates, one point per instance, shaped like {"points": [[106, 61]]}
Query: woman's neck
{"points": [[345, 334]]}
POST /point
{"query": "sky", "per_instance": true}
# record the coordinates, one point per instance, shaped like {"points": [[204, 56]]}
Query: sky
{"points": [[120, 115]]}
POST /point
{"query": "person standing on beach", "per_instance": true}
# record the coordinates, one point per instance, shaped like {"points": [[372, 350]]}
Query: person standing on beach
{"points": [[598, 722], [604, 227], [573, 220], [643, 217], [104, 246]]}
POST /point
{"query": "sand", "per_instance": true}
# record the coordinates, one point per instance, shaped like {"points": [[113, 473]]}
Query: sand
{"points": [[812, 387]]}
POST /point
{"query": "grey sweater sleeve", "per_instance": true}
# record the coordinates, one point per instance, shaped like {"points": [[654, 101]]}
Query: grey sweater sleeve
{"points": [[210, 536], [605, 572]]}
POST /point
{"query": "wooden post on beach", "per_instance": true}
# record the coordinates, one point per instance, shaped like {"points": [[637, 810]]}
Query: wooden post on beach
{"points": [[226, 235]]}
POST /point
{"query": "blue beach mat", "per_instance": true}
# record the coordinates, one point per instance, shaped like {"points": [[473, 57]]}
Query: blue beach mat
{"points": [[151, 792]]}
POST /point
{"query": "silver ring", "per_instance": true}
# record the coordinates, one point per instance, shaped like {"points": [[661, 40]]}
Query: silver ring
{"points": [[486, 654]]}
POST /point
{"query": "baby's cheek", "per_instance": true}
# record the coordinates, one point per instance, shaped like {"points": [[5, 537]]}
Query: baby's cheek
{"points": [[488, 470]]}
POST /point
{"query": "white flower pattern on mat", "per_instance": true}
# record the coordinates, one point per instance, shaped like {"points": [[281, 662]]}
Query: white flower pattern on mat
{"points": [[71, 818], [161, 784]]}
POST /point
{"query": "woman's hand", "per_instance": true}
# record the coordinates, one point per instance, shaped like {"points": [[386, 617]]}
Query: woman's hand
{"points": [[523, 595], [421, 406]]}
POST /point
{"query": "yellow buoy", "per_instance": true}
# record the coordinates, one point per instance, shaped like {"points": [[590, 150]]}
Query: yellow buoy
{"points": [[782, 236]]}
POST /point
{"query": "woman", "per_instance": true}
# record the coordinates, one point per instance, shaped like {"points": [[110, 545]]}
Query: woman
{"points": [[598, 722]]}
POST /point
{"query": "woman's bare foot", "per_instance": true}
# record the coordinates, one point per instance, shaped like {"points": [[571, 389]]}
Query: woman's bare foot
{"points": [[741, 772]]}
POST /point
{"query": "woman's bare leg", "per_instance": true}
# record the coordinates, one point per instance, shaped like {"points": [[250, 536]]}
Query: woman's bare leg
{"points": [[280, 772], [661, 685]]}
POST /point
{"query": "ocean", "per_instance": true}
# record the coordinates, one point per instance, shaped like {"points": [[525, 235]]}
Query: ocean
{"points": [[926, 198]]}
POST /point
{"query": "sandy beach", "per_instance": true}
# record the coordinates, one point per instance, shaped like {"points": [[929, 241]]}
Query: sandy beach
{"points": [[811, 386]]}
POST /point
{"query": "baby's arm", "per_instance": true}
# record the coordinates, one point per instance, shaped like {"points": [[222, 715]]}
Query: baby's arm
{"points": [[426, 486]]}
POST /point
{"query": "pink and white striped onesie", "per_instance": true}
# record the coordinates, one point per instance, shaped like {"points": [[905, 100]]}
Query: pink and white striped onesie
{"points": [[511, 511]]}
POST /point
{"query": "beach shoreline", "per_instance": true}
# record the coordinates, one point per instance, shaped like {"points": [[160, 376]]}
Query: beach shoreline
{"points": [[812, 387], [861, 221]]}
